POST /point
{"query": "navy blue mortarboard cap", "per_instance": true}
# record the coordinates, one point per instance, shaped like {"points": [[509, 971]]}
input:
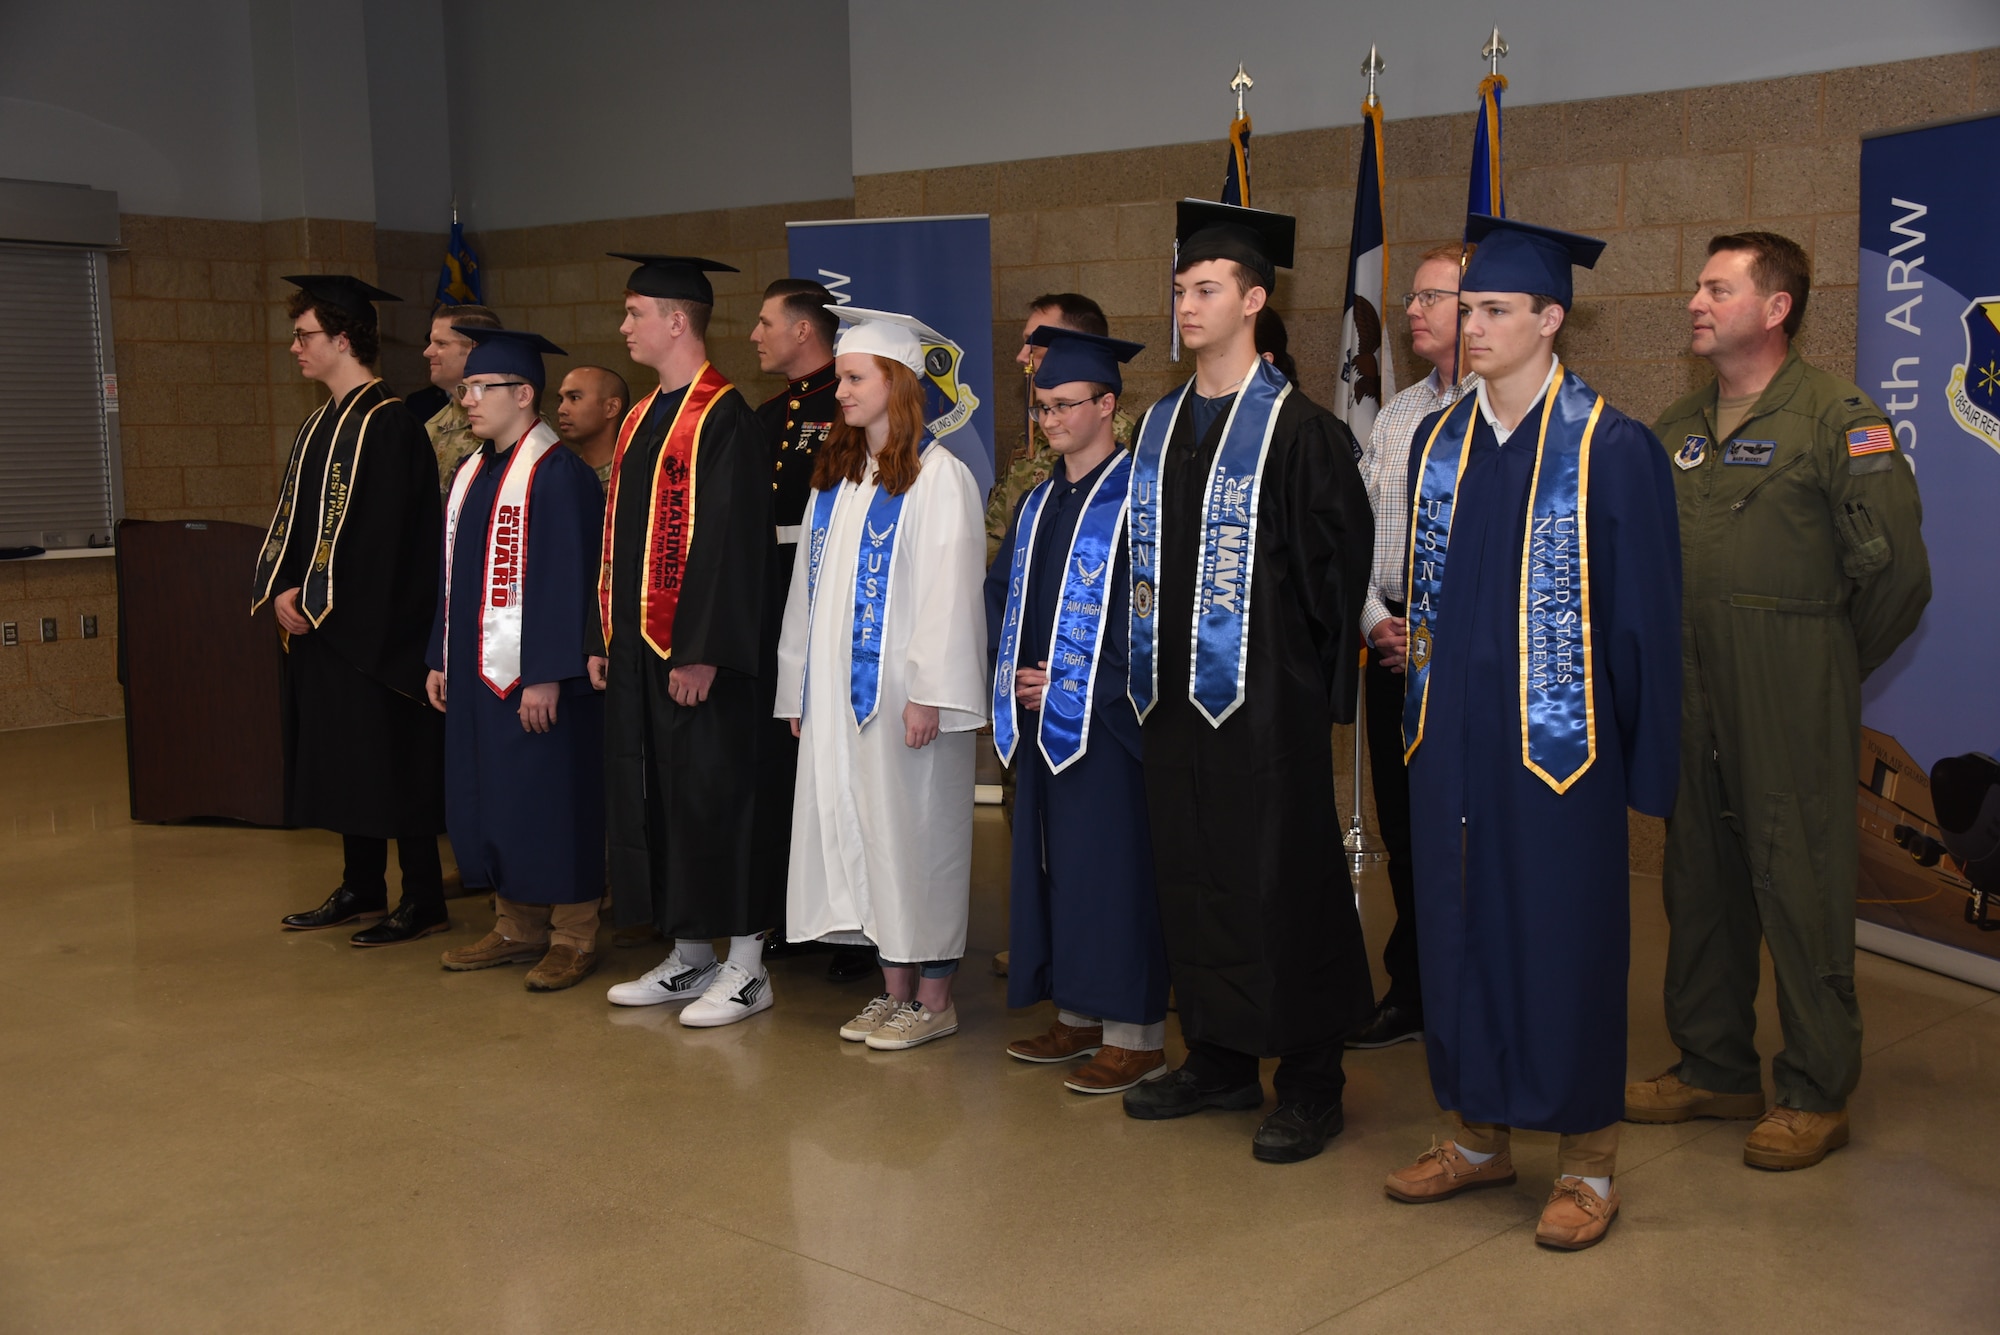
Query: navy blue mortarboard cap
{"points": [[1521, 257], [344, 291], [675, 277], [1261, 241], [507, 352], [1073, 355]]}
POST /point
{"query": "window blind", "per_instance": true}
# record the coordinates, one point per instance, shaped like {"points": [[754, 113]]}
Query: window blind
{"points": [[59, 479]]}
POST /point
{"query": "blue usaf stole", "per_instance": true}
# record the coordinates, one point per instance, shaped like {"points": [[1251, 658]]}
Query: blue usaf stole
{"points": [[1064, 728], [872, 572], [1558, 720], [1227, 556]]}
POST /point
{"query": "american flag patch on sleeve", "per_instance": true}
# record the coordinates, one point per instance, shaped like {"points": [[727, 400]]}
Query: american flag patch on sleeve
{"points": [[1877, 439]]}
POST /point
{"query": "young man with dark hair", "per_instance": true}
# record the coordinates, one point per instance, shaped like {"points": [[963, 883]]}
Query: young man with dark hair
{"points": [[349, 566], [684, 579], [1802, 538], [590, 404], [1249, 543], [451, 438], [1543, 700]]}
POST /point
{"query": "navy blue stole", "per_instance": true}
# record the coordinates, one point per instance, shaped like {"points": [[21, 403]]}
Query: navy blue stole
{"points": [[1064, 728], [1558, 719], [1227, 556]]}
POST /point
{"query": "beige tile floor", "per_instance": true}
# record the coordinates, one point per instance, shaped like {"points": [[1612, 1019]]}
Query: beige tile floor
{"points": [[208, 1125]]}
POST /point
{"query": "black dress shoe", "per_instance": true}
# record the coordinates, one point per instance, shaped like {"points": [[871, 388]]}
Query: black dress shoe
{"points": [[1390, 1025], [1180, 1093], [407, 923], [777, 948], [342, 906], [851, 964], [1295, 1132]]}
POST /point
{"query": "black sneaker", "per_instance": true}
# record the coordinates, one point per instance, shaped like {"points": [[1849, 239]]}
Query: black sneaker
{"points": [[342, 906], [1180, 1093], [1389, 1025], [1295, 1132]]}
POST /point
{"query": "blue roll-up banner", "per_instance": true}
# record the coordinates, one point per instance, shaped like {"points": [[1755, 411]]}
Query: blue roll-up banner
{"points": [[939, 270], [1928, 350]]}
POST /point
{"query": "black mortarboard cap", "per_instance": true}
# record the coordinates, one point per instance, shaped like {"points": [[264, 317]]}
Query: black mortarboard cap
{"points": [[675, 277], [1073, 355], [1521, 257], [1261, 241], [507, 352], [344, 291]]}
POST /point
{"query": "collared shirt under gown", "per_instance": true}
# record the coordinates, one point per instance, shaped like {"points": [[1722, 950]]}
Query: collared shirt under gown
{"points": [[364, 750], [1084, 909], [681, 781], [1525, 937], [881, 833], [525, 810], [1263, 942]]}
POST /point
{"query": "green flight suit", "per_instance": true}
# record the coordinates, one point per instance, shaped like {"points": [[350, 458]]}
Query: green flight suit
{"points": [[1803, 567]]}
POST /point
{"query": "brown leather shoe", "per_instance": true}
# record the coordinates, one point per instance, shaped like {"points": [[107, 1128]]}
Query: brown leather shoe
{"points": [[1441, 1171], [563, 966], [490, 950], [1115, 1070], [1576, 1216], [1062, 1042], [1668, 1098], [1786, 1138]]}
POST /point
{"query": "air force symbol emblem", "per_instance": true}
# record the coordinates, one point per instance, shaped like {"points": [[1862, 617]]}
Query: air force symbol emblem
{"points": [[1974, 391], [1692, 452]]}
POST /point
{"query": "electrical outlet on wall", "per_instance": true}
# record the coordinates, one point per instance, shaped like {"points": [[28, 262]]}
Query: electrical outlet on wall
{"points": [[10, 634], [48, 629], [89, 627]]}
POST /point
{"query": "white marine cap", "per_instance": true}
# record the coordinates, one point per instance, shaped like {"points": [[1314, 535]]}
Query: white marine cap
{"points": [[900, 338]]}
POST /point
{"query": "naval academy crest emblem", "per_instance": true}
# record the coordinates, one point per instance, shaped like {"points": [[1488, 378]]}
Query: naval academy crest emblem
{"points": [[1974, 391]]}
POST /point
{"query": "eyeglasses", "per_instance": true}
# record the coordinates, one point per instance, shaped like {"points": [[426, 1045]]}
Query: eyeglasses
{"points": [[300, 337], [1427, 298], [1041, 412], [470, 392]]}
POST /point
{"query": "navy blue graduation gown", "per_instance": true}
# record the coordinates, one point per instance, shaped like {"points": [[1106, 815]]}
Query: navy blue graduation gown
{"points": [[1525, 934], [525, 811], [1084, 911]]}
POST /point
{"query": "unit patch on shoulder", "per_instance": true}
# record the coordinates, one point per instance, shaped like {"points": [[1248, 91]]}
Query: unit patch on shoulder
{"points": [[1692, 452], [1755, 453], [1877, 439]]}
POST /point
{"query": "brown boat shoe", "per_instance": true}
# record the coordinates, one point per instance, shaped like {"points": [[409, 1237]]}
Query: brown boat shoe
{"points": [[1787, 1138], [1668, 1098], [490, 950], [1441, 1171], [1059, 1044], [563, 966], [1115, 1070], [1576, 1216]]}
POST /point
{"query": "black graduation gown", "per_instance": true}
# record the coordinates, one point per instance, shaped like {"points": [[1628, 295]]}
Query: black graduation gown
{"points": [[1084, 912], [1525, 935], [1262, 937], [525, 810], [796, 423], [681, 784], [364, 751]]}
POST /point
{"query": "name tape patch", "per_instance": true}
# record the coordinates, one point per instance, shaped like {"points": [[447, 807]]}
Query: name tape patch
{"points": [[1754, 453]]}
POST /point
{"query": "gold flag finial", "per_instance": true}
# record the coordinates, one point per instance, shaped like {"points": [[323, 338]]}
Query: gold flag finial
{"points": [[1241, 82]]}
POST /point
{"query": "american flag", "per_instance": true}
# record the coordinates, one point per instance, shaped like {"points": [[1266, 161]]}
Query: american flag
{"points": [[1875, 439]]}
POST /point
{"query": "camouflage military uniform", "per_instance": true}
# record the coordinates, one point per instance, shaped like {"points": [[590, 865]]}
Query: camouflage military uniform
{"points": [[451, 440]]}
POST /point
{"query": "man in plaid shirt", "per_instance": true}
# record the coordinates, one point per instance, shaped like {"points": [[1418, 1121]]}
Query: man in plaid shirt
{"points": [[1385, 467]]}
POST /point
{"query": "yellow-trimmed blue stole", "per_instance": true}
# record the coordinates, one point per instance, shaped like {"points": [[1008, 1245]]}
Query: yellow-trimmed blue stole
{"points": [[1558, 717]]}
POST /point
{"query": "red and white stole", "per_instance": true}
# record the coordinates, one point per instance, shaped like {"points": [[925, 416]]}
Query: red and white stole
{"points": [[500, 613]]}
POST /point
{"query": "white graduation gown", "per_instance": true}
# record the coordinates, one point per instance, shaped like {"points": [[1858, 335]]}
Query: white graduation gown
{"points": [[882, 834]]}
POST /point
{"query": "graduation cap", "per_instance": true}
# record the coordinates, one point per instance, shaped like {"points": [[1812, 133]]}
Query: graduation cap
{"points": [[1260, 241], [900, 338], [513, 352], [1073, 355], [675, 277], [1521, 257], [342, 291]]}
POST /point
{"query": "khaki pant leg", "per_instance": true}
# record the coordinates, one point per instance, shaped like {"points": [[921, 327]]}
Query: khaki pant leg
{"points": [[1482, 1137], [1590, 1154], [526, 923], [574, 925]]}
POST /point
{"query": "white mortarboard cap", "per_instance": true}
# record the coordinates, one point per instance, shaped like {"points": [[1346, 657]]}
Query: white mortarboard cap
{"points": [[900, 338]]}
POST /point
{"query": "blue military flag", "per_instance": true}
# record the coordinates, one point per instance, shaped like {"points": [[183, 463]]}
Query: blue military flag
{"points": [[1367, 370], [458, 280], [1487, 193], [1236, 172]]}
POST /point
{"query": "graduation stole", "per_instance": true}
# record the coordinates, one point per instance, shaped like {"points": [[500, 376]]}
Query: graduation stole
{"points": [[1228, 543], [1558, 716], [501, 614], [1064, 728], [872, 573], [336, 484], [670, 525]]}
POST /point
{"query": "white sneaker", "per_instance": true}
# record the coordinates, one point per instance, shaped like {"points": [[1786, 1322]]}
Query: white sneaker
{"points": [[736, 994], [913, 1024], [674, 980], [871, 1018]]}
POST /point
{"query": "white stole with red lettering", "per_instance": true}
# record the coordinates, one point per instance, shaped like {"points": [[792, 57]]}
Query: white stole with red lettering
{"points": [[500, 617]]}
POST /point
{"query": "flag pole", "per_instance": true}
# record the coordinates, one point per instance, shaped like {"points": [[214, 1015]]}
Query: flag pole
{"points": [[1361, 849]]}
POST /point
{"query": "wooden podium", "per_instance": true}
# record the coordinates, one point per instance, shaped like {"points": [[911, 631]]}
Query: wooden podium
{"points": [[201, 675]]}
